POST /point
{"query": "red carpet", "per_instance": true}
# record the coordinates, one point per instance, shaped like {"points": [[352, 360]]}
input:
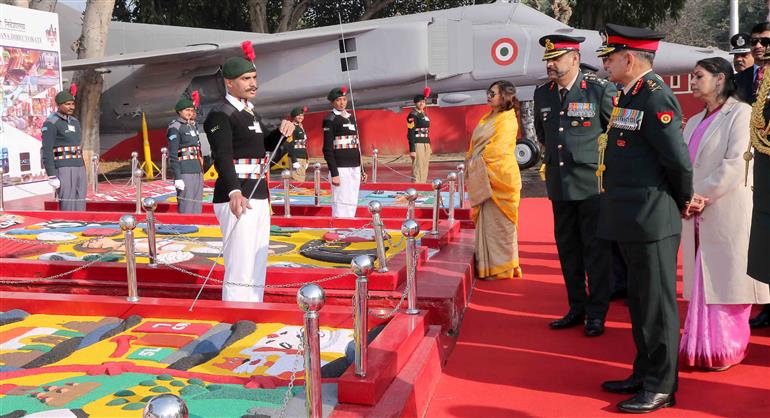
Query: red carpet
{"points": [[507, 363]]}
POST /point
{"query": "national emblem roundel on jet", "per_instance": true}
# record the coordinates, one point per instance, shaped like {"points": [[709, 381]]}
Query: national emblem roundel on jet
{"points": [[504, 51]]}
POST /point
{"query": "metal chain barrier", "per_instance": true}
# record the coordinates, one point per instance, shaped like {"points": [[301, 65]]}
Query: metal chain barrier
{"points": [[295, 368], [57, 277]]}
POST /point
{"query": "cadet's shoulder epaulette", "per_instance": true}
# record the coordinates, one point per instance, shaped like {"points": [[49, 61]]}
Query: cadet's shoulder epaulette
{"points": [[330, 116], [545, 85], [52, 118], [592, 78], [175, 124]]}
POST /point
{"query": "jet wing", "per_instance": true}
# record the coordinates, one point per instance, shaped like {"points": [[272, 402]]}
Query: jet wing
{"points": [[207, 51]]}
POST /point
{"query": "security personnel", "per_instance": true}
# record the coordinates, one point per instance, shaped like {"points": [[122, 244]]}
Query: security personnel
{"points": [[239, 141], [741, 51], [186, 157], [418, 135], [571, 111], [759, 243], [62, 155], [298, 145], [749, 79], [645, 178], [342, 154]]}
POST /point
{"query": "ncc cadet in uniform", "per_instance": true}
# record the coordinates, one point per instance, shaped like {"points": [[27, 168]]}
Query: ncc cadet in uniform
{"points": [[571, 111], [186, 157], [759, 243], [342, 155], [62, 155], [238, 141], [418, 127], [298, 145], [645, 177]]}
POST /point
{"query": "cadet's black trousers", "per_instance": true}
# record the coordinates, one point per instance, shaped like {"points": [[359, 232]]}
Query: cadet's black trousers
{"points": [[654, 314], [582, 253]]}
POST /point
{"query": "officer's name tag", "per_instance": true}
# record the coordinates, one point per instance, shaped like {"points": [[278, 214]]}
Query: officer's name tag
{"points": [[582, 110], [192, 133], [628, 119], [350, 126], [70, 128], [426, 118]]}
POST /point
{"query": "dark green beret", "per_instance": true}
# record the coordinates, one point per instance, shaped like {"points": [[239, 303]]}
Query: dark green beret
{"points": [[183, 104], [64, 97], [419, 98], [297, 111], [336, 93], [235, 67]]}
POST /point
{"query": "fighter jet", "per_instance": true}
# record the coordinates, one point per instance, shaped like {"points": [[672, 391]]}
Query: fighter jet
{"points": [[457, 52]]}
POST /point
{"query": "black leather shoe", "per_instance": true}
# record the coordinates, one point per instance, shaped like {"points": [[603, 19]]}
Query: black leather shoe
{"points": [[628, 385], [762, 320], [569, 320], [647, 401], [594, 327]]}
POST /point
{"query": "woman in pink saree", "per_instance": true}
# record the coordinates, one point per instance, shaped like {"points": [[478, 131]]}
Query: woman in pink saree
{"points": [[715, 240]]}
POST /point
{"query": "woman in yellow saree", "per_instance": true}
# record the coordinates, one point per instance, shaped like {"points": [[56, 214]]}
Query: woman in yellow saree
{"points": [[494, 183]]}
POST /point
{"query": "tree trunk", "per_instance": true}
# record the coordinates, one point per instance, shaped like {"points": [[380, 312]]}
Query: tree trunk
{"points": [[291, 14], [92, 42], [44, 5], [374, 7], [18, 3], [561, 10], [297, 13], [258, 16]]}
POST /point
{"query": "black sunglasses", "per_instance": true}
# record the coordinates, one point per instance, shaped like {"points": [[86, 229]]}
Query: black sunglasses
{"points": [[765, 41], [491, 94]]}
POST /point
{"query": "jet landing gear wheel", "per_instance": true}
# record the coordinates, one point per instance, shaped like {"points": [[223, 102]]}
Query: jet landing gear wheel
{"points": [[527, 153]]}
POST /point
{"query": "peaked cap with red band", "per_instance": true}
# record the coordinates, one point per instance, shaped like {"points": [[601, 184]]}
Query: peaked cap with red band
{"points": [[558, 45], [618, 37]]}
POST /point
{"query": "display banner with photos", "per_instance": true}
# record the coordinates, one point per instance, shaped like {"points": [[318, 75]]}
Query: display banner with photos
{"points": [[30, 77]]}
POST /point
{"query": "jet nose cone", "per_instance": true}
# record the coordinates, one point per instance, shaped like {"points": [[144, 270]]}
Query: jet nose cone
{"points": [[676, 58]]}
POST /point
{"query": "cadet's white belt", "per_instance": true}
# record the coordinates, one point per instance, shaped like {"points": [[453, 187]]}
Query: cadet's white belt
{"points": [[346, 142]]}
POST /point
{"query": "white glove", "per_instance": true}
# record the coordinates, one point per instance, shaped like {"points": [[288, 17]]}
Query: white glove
{"points": [[54, 182], [179, 184], [295, 165]]}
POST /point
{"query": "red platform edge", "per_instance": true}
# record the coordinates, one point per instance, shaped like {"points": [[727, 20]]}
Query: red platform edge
{"points": [[411, 390]]}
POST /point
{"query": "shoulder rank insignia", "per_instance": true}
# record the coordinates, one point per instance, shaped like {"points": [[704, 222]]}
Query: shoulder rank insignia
{"points": [[665, 117], [653, 85]]}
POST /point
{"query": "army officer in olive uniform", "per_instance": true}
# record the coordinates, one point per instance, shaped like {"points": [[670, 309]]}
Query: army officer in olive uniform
{"points": [[646, 181], [62, 156], [571, 111], [186, 158]]}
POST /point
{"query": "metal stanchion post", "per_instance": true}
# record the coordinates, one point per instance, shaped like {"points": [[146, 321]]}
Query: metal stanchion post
{"points": [[127, 224], [286, 176], [2, 198], [375, 160], [165, 406], [375, 208], [461, 183], [437, 184], [163, 163], [310, 299], [362, 267], [138, 173], [149, 204], [95, 173], [317, 184], [134, 165], [410, 229], [411, 197], [452, 179]]}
